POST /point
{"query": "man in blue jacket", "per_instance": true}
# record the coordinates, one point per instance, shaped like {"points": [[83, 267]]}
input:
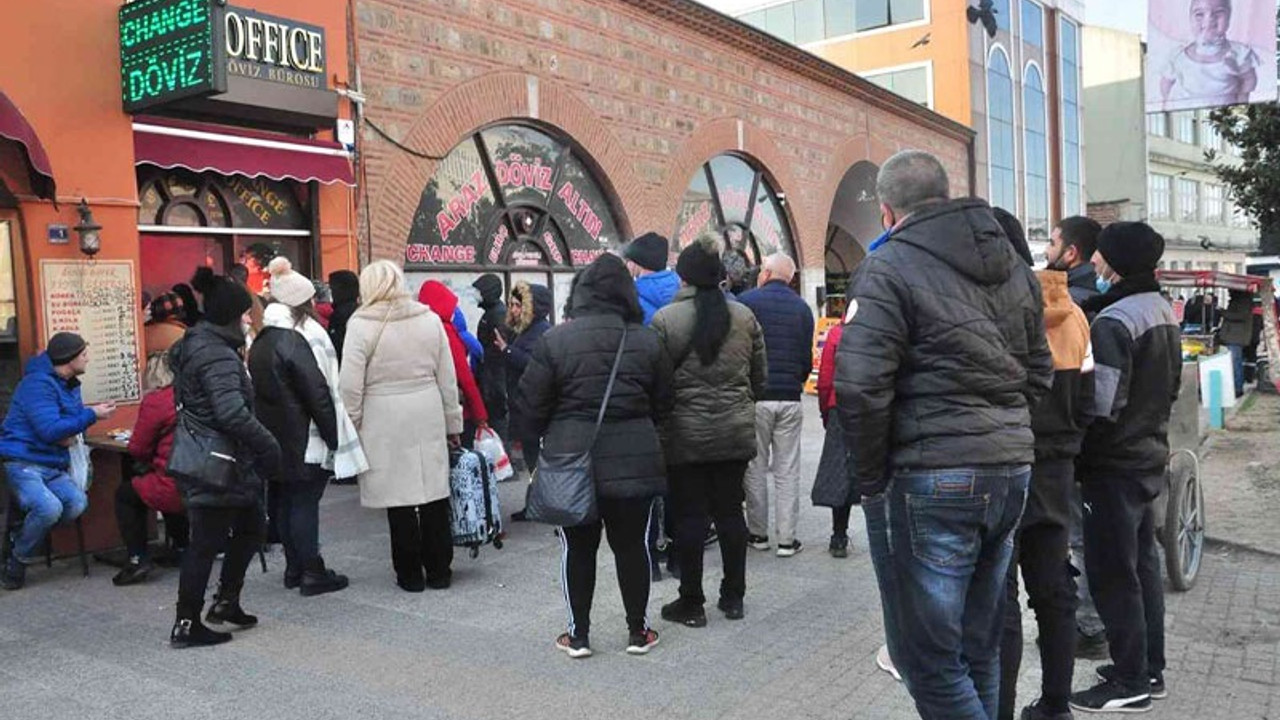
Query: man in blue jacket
{"points": [[647, 258], [45, 416], [788, 341]]}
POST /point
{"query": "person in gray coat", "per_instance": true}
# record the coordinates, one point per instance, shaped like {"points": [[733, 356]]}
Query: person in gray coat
{"points": [[717, 349]]}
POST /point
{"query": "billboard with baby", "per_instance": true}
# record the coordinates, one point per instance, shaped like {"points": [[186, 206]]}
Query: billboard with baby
{"points": [[1209, 53]]}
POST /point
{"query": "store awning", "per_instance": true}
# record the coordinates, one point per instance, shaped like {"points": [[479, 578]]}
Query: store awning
{"points": [[14, 127], [231, 151]]}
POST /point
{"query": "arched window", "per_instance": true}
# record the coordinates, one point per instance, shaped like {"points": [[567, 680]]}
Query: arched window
{"points": [[511, 195], [1035, 140], [1000, 135], [1069, 43], [729, 198]]}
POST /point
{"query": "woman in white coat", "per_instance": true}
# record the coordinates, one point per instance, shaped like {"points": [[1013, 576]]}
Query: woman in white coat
{"points": [[399, 386]]}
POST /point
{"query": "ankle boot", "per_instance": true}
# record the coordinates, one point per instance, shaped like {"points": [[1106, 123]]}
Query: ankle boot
{"points": [[318, 580], [188, 631], [226, 608]]}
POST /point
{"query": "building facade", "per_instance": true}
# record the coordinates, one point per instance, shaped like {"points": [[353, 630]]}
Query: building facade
{"points": [[1158, 167], [525, 138], [1019, 90]]}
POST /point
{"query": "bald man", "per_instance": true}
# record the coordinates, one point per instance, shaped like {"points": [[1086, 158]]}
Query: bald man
{"points": [[788, 341]]}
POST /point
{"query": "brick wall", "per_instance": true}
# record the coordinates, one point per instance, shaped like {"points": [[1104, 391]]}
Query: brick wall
{"points": [[649, 90]]}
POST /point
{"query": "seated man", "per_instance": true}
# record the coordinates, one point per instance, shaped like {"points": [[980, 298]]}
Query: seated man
{"points": [[45, 416]]}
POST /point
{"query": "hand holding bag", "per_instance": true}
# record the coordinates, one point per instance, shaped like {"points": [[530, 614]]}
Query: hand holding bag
{"points": [[563, 490]]}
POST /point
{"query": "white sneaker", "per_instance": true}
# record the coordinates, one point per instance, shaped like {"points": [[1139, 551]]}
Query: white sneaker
{"points": [[885, 663], [759, 542], [789, 550]]}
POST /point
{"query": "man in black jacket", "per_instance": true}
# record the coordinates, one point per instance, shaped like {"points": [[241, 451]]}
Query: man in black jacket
{"points": [[1123, 464], [492, 375], [787, 323], [942, 358]]}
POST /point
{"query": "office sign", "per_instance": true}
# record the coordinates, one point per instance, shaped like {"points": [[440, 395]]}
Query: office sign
{"points": [[170, 50], [266, 47]]}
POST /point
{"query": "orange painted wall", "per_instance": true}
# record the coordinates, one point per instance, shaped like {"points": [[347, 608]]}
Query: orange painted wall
{"points": [[948, 48], [62, 71]]}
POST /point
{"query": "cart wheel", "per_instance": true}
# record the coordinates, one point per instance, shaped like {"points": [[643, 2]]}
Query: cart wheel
{"points": [[1183, 532], [497, 543]]}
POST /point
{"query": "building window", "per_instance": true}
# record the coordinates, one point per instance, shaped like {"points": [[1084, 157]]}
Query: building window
{"points": [[1032, 23], [1209, 134], [1158, 124], [874, 14], [1035, 140], [911, 83], [1239, 217], [1071, 153], [808, 21], [730, 199], [1184, 125], [1004, 20], [1000, 137], [1159, 188], [780, 21], [1188, 200], [1213, 204]]}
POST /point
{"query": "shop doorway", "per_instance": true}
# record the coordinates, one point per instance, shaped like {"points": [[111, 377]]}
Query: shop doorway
{"points": [[853, 225]]}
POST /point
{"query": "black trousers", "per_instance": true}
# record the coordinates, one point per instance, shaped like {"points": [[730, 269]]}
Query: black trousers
{"points": [[627, 522], [700, 493], [840, 520], [131, 518], [421, 541], [1124, 571], [298, 517], [238, 530], [1040, 549]]}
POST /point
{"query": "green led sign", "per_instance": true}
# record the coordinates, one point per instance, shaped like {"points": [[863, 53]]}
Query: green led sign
{"points": [[169, 50]]}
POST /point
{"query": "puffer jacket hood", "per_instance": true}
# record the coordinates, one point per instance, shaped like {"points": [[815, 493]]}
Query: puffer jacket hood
{"points": [[437, 296], [490, 288], [535, 305], [965, 235], [606, 288], [656, 291]]}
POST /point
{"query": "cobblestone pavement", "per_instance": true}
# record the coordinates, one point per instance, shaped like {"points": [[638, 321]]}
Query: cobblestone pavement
{"points": [[81, 648], [1241, 466]]}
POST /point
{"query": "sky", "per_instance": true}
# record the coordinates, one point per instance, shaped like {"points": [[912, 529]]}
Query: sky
{"points": [[1130, 15]]}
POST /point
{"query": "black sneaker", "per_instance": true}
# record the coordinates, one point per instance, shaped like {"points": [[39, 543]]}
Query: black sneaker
{"points": [[1092, 647], [14, 574], [321, 581], [759, 542], [1108, 697], [1107, 673], [228, 610], [839, 547], [136, 571], [685, 612], [190, 632], [732, 609], [1035, 711], [640, 643], [789, 550], [573, 647], [519, 516]]}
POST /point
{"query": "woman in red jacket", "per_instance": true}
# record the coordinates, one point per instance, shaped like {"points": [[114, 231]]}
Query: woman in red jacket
{"points": [[832, 487], [153, 490], [437, 296]]}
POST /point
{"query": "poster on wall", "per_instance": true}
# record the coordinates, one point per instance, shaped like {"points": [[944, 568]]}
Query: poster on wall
{"points": [[98, 300], [1210, 53]]}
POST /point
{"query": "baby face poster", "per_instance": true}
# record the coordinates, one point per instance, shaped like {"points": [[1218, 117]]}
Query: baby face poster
{"points": [[1209, 53]]}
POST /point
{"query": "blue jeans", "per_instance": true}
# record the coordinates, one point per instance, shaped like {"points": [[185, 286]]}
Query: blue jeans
{"points": [[941, 541], [1237, 367], [47, 496]]}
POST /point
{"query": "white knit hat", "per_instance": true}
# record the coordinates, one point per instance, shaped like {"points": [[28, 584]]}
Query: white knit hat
{"points": [[289, 287]]}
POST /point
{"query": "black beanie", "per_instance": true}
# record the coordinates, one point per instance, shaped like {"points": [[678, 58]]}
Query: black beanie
{"points": [[65, 347], [490, 287], [700, 266], [345, 286], [649, 251], [225, 301], [1131, 248]]}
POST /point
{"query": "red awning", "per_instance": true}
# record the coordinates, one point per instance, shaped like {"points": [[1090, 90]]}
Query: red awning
{"points": [[1212, 279], [231, 151], [13, 126]]}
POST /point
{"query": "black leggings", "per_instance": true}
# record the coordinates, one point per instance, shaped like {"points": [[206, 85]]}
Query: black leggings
{"points": [[699, 494], [421, 541], [237, 529], [627, 522], [840, 520], [131, 518]]}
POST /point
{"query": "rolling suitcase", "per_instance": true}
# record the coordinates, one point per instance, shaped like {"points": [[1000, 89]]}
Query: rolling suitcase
{"points": [[474, 516]]}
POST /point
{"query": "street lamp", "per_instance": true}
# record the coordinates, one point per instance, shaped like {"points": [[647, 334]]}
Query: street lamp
{"points": [[88, 230]]}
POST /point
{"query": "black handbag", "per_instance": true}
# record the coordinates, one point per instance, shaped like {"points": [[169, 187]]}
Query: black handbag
{"points": [[832, 486], [563, 489], [201, 455]]}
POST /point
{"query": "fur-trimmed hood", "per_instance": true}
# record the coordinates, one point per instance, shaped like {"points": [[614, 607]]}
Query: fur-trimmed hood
{"points": [[535, 305]]}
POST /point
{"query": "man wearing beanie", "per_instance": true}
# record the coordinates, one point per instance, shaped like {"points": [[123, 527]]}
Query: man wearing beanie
{"points": [[1122, 464], [45, 416], [345, 286], [942, 358], [646, 258]]}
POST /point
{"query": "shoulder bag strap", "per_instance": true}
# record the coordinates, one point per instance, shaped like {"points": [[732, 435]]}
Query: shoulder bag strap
{"points": [[376, 340], [608, 390]]}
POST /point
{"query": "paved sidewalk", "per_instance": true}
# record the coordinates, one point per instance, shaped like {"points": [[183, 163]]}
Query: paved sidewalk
{"points": [[1241, 467], [81, 648]]}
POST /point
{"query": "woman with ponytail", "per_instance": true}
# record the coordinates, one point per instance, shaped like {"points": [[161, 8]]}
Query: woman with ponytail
{"points": [[717, 350]]}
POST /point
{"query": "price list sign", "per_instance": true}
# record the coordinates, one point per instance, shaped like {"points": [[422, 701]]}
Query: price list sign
{"points": [[169, 50], [97, 300]]}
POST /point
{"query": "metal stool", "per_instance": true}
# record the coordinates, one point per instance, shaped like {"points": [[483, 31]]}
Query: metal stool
{"points": [[13, 518]]}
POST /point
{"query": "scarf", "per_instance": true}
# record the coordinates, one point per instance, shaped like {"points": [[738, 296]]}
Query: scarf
{"points": [[349, 459], [1134, 285]]}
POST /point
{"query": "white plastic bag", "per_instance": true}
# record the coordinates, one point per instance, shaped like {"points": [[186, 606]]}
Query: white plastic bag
{"points": [[490, 445], [81, 470]]}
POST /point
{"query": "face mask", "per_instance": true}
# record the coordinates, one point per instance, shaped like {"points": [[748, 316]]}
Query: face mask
{"points": [[1102, 284]]}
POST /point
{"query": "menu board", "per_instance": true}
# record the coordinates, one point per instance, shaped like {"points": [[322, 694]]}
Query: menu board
{"points": [[96, 299]]}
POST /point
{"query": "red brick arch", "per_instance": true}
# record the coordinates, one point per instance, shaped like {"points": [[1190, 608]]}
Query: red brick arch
{"points": [[721, 136], [485, 100]]}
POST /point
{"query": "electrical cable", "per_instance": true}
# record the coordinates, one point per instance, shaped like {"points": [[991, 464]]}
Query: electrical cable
{"points": [[383, 134]]}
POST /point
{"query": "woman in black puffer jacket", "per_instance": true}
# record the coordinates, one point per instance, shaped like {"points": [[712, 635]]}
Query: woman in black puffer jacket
{"points": [[213, 389], [560, 396]]}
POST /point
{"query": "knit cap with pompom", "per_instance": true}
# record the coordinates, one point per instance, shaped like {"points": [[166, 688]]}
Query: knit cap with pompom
{"points": [[287, 286]]}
